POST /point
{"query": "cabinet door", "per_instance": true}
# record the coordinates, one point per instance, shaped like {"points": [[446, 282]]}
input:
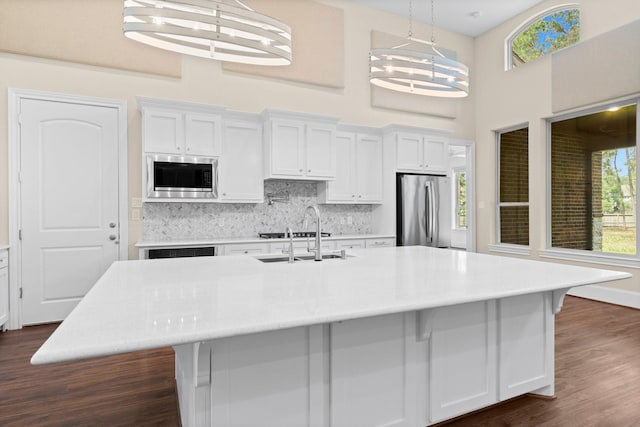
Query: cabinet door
{"points": [[526, 344], [463, 359], [241, 178], [202, 135], [320, 151], [287, 148], [4, 293], [163, 131], [409, 152], [369, 168], [373, 372], [343, 188], [435, 155], [271, 379]]}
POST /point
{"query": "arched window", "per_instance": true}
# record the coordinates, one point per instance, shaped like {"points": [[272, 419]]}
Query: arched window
{"points": [[547, 32]]}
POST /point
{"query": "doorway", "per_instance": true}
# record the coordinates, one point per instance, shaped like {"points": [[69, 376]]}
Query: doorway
{"points": [[68, 200]]}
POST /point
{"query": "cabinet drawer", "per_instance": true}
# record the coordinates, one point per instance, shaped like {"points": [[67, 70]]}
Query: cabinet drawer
{"points": [[350, 244], [380, 243], [246, 249]]}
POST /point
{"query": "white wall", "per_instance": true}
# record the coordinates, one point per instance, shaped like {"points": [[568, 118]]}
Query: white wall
{"points": [[523, 95], [205, 81]]}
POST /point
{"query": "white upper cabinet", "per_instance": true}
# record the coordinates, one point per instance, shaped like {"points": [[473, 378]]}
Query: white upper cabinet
{"points": [[358, 170], [421, 152], [202, 134], [241, 162], [181, 128], [299, 147]]}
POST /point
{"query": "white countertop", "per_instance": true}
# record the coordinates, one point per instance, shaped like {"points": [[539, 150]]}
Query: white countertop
{"points": [[151, 244], [148, 304]]}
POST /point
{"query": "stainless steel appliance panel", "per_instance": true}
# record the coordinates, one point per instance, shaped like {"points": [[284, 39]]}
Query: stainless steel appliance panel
{"points": [[181, 177], [423, 210]]}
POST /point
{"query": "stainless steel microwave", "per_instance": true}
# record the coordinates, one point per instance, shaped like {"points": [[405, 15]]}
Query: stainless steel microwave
{"points": [[181, 177]]}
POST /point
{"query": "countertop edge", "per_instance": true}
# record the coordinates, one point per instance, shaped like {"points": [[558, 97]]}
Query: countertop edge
{"points": [[240, 240]]}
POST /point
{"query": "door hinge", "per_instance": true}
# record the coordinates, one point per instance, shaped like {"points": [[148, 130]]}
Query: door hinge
{"points": [[20, 296], [20, 234]]}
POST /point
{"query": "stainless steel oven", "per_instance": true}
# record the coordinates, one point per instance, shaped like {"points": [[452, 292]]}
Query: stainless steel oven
{"points": [[181, 177]]}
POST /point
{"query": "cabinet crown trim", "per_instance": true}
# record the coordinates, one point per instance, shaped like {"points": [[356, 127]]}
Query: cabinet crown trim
{"points": [[414, 129], [182, 106], [282, 114]]}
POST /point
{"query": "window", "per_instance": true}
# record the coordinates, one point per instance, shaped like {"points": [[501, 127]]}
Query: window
{"points": [[460, 177], [545, 33], [513, 187], [593, 181]]}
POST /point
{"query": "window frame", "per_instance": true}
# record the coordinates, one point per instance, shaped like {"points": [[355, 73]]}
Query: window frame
{"points": [[499, 246], [508, 42], [595, 257], [457, 171]]}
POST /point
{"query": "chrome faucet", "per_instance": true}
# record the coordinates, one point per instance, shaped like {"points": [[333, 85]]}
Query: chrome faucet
{"points": [[289, 231], [318, 249]]}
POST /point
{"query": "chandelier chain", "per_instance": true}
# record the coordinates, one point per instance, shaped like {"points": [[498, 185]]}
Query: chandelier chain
{"points": [[410, 18], [433, 37]]}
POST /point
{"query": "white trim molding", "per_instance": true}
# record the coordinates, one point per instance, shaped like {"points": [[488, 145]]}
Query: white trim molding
{"points": [[510, 249], [15, 96], [590, 257], [606, 294]]}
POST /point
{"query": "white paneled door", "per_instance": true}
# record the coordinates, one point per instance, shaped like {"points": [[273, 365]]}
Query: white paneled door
{"points": [[68, 203]]}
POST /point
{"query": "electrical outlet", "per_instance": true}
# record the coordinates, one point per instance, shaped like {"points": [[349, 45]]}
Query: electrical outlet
{"points": [[135, 214], [220, 222], [136, 202], [349, 220], [342, 221]]}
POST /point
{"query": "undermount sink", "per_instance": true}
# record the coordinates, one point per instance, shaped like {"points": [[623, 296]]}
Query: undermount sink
{"points": [[271, 258]]}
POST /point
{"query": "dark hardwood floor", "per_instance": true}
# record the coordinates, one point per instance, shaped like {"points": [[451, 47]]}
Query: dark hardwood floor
{"points": [[597, 380]]}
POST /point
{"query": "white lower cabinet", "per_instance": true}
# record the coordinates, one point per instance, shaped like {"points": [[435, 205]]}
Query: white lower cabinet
{"points": [[273, 379], [462, 358], [373, 372], [526, 325], [4, 287], [396, 370]]}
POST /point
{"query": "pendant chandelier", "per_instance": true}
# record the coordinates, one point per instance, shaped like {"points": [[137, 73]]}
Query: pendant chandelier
{"points": [[423, 73], [217, 29]]}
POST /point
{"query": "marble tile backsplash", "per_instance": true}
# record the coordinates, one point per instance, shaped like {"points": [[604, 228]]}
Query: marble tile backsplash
{"points": [[179, 221]]}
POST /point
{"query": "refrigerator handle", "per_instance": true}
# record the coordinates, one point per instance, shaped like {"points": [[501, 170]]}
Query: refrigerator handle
{"points": [[428, 212]]}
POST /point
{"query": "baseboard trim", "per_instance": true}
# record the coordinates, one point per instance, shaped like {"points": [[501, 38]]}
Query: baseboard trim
{"points": [[609, 295]]}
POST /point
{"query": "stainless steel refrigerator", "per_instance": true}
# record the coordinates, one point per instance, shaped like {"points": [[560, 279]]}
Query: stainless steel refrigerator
{"points": [[423, 210]]}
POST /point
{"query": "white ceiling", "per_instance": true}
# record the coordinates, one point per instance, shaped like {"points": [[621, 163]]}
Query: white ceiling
{"points": [[469, 17]]}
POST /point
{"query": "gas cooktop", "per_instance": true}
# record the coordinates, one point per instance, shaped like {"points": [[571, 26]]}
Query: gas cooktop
{"points": [[295, 234]]}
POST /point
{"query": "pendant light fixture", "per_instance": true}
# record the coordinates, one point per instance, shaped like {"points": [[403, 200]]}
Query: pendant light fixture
{"points": [[423, 73], [226, 30]]}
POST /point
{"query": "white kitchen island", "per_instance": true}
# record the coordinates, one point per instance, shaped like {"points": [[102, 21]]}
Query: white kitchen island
{"points": [[389, 337]]}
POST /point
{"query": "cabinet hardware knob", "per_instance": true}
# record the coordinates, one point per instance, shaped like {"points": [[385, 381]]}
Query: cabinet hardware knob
{"points": [[112, 225], [112, 237], [301, 170], [309, 170]]}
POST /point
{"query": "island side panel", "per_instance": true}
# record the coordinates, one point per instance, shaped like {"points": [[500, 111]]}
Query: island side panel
{"points": [[526, 336], [402, 370]]}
